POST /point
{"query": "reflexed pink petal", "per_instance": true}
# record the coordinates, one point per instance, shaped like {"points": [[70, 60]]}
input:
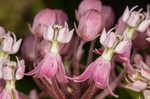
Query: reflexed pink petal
{"points": [[88, 72], [61, 71], [49, 66], [101, 74]]}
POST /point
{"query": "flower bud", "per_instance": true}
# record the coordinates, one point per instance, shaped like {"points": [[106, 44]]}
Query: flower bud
{"points": [[90, 25], [86, 5], [29, 48], [108, 16]]}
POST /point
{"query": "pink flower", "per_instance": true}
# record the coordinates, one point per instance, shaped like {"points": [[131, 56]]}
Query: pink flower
{"points": [[47, 17], [99, 71], [12, 70], [90, 25], [109, 39], [138, 81], [86, 5], [136, 19], [50, 66], [9, 44]]}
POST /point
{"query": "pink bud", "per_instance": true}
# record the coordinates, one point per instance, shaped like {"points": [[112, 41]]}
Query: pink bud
{"points": [[61, 17], [108, 16], [86, 5], [90, 25]]}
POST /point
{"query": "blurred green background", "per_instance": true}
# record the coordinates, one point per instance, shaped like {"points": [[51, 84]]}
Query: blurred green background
{"points": [[16, 14]]}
